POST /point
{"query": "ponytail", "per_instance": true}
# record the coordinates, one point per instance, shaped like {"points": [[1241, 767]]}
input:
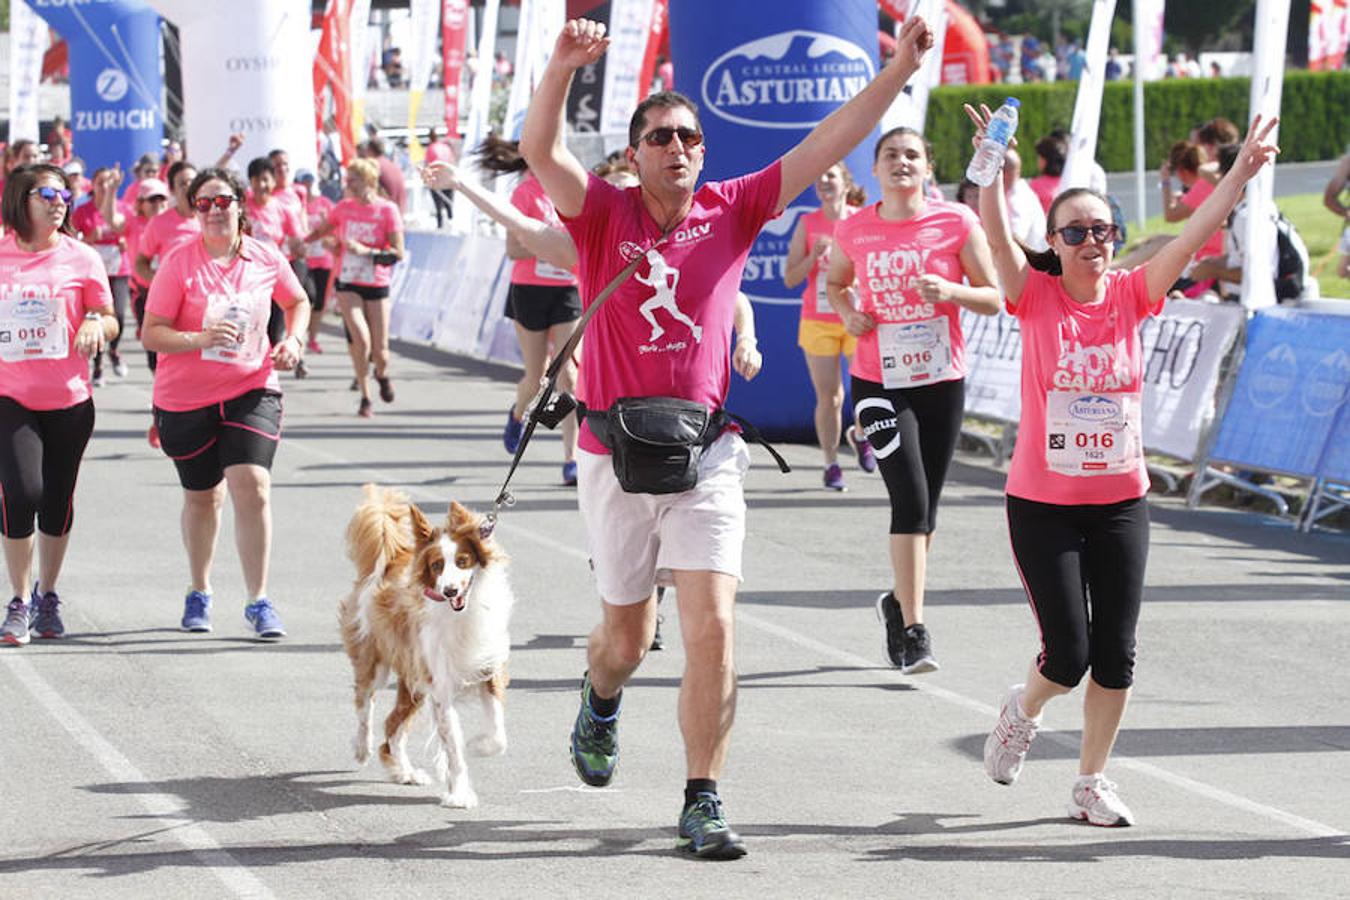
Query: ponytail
{"points": [[500, 156], [856, 196]]}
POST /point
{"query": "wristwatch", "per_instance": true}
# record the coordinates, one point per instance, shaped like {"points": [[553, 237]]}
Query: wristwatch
{"points": [[93, 317]]}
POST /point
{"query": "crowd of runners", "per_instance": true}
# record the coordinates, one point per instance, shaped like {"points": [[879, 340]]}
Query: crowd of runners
{"points": [[228, 282]]}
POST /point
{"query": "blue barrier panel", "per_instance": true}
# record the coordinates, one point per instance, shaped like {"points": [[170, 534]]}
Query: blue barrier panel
{"points": [[1335, 464], [421, 284], [761, 83], [1292, 382], [115, 82]]}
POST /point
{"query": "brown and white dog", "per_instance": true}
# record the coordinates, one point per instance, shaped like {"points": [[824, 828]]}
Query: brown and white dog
{"points": [[431, 606]]}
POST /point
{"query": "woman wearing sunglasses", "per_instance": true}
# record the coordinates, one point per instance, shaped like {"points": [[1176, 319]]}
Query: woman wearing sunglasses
{"points": [[1077, 513], [55, 313], [217, 398], [370, 229], [914, 263]]}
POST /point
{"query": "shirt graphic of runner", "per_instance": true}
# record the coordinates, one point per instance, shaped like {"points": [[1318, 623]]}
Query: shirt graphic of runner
{"points": [[663, 279]]}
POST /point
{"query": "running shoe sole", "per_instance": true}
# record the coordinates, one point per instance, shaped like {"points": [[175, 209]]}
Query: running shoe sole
{"points": [[922, 667], [723, 850], [1083, 815]]}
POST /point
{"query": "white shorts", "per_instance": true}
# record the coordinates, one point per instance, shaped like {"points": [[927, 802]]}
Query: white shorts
{"points": [[636, 540]]}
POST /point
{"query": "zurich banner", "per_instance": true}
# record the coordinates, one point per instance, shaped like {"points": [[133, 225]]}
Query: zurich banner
{"points": [[762, 82], [115, 84]]}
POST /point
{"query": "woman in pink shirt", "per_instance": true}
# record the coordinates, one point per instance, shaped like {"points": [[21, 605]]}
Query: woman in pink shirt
{"points": [[318, 254], [1185, 160], [914, 263], [217, 398], [1077, 513], [821, 334], [370, 231], [55, 313], [1052, 152], [102, 224]]}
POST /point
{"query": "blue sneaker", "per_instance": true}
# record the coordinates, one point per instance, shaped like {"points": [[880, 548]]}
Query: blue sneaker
{"points": [[570, 473], [595, 742], [512, 432], [197, 612], [44, 615], [264, 619], [704, 831]]}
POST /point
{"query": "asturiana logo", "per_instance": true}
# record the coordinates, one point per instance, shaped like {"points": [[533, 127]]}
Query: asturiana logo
{"points": [[788, 80], [1094, 409]]}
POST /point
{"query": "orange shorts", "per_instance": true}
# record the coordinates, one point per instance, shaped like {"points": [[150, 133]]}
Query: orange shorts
{"points": [[821, 338]]}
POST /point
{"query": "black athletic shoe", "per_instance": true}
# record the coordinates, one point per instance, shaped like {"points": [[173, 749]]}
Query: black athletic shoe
{"points": [[888, 611], [918, 654]]}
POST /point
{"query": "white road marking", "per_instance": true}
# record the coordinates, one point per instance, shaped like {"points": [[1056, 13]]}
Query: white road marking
{"points": [[166, 808]]}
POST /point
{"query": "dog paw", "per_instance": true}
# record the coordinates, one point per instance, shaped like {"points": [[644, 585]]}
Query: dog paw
{"points": [[409, 776], [488, 745], [460, 798], [362, 748]]}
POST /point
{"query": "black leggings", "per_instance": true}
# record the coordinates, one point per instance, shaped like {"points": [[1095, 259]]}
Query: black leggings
{"points": [[139, 295], [1083, 570], [40, 454], [913, 432]]}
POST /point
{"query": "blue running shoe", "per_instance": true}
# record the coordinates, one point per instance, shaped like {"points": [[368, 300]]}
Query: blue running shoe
{"points": [[704, 831], [45, 615], [570, 473], [197, 612], [512, 432], [595, 742], [264, 619]]}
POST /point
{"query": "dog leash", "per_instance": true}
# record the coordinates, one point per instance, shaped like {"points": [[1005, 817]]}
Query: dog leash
{"points": [[547, 407]]}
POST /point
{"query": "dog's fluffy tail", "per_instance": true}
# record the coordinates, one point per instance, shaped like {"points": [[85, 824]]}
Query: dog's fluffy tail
{"points": [[379, 532]]}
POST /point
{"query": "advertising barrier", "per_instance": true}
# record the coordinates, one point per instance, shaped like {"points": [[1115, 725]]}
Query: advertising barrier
{"points": [[115, 82]]}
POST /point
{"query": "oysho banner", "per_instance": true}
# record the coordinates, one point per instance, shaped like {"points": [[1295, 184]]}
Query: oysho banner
{"points": [[115, 82]]}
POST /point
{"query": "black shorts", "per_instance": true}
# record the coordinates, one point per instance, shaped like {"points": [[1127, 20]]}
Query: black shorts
{"points": [[538, 307], [204, 442], [364, 291]]}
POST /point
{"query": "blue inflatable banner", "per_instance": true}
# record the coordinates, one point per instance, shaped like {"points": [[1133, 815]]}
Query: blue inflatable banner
{"points": [[115, 85], [1292, 383], [762, 80]]}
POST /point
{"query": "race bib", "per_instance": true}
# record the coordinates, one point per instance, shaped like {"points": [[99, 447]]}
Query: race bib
{"points": [[357, 269], [250, 317], [551, 272], [33, 328], [915, 353], [111, 254], [822, 296], [1092, 434]]}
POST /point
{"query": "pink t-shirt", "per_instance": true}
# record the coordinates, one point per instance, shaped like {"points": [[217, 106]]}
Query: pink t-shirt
{"points": [[1045, 188], [372, 224], [317, 256], [90, 225], [440, 151], [135, 227], [666, 331], [1078, 350], [165, 231], [529, 198], [1194, 196], [43, 299], [815, 305], [888, 257], [190, 289], [275, 221]]}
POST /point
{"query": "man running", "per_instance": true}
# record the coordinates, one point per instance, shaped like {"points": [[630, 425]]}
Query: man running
{"points": [[692, 539]]}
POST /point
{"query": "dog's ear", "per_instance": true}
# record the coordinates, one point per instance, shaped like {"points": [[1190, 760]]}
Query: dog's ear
{"points": [[421, 528], [459, 516]]}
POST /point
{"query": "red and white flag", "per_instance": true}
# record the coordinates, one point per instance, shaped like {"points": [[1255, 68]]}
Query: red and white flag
{"points": [[454, 28]]}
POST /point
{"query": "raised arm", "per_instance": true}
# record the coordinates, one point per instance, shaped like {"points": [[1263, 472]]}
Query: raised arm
{"points": [[1009, 261], [537, 238], [1165, 268], [581, 42], [845, 128]]}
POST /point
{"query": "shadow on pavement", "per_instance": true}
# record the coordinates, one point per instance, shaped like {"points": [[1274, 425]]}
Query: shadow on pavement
{"points": [[1141, 742]]}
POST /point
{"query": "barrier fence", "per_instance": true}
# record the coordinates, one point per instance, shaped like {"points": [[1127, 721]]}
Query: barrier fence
{"points": [[1272, 404]]}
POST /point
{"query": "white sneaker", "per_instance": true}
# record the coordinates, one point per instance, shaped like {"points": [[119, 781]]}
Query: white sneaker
{"points": [[1095, 799], [1006, 747]]}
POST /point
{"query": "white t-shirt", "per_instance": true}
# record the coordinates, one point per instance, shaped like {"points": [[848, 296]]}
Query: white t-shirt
{"points": [[1232, 245], [1026, 216]]}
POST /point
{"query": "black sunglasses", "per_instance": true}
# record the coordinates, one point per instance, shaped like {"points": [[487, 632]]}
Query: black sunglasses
{"points": [[661, 137], [1102, 233], [220, 201], [51, 194]]}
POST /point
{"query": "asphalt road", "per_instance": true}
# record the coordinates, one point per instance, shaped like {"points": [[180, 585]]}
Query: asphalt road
{"points": [[140, 761]]}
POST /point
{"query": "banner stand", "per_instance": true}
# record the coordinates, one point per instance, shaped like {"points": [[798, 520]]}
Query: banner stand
{"points": [[1325, 499]]}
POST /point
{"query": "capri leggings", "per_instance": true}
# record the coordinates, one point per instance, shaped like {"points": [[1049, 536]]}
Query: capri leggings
{"points": [[1083, 570], [121, 291], [913, 432], [40, 453]]}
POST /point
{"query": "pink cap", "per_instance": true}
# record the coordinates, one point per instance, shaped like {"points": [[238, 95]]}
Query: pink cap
{"points": [[151, 187]]}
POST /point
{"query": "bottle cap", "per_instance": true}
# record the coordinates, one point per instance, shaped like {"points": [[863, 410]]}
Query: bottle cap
{"points": [[1012, 101]]}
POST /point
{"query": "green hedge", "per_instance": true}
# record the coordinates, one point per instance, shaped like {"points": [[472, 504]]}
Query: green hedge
{"points": [[1314, 125]]}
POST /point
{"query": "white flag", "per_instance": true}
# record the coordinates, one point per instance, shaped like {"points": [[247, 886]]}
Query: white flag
{"points": [[480, 99], [629, 25], [538, 27], [910, 108], [425, 20], [27, 42], [1087, 109], [1272, 21], [1149, 58]]}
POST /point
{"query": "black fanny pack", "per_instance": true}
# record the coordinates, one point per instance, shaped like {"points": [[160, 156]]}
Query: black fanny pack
{"points": [[656, 442]]}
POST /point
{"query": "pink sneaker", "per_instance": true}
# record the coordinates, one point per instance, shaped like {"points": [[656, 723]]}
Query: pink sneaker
{"points": [[313, 346]]}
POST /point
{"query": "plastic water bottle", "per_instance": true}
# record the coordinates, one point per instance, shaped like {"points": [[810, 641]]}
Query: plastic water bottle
{"points": [[988, 159]]}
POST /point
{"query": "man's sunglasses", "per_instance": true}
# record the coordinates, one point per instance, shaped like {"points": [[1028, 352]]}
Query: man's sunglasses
{"points": [[661, 137], [51, 194], [155, 198], [220, 201], [1074, 235]]}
